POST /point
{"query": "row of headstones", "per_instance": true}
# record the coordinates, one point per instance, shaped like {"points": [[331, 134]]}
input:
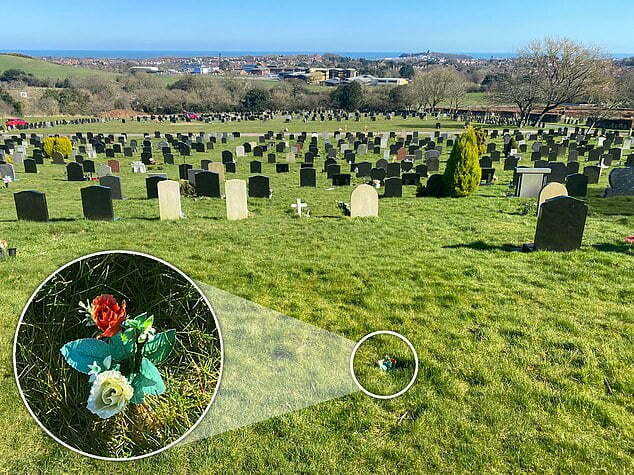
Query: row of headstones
{"points": [[97, 201], [528, 182], [560, 224]]}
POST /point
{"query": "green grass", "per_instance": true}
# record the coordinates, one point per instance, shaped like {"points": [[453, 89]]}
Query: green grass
{"points": [[48, 70], [57, 394], [525, 359], [372, 377]]}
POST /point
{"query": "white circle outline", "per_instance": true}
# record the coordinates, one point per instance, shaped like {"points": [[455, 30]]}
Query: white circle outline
{"points": [[99, 457], [367, 337]]}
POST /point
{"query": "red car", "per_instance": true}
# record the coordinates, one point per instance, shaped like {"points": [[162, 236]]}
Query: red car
{"points": [[191, 116], [15, 122]]}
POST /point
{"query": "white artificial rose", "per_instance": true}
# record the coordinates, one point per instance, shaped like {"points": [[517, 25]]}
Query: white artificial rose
{"points": [[109, 394]]}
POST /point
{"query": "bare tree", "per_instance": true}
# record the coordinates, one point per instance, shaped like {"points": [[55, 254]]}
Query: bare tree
{"points": [[625, 87], [606, 97], [457, 94], [433, 86], [519, 87], [566, 71]]}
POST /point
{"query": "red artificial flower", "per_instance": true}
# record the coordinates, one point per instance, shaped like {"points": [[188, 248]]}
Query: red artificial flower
{"points": [[107, 314]]}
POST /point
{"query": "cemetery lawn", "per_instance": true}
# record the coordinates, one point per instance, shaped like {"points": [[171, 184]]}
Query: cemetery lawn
{"points": [[526, 360]]}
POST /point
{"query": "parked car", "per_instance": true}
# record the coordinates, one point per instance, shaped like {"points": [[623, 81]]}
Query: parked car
{"points": [[192, 116], [15, 122]]}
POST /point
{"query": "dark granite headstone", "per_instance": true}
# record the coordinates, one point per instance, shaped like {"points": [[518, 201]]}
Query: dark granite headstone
{"points": [[114, 183], [561, 224], [97, 203], [207, 184], [255, 166], [393, 187], [75, 172], [30, 166], [308, 177], [30, 205], [151, 185], [341, 179], [182, 170], [621, 182], [259, 187]]}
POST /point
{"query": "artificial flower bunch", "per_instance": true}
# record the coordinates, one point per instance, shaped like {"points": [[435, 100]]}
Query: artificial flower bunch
{"points": [[121, 360], [388, 363]]}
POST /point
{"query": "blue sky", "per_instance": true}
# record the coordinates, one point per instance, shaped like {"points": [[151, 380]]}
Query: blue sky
{"points": [[343, 25]]}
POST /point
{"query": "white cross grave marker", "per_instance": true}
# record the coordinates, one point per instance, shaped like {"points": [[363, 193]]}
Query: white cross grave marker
{"points": [[298, 206]]}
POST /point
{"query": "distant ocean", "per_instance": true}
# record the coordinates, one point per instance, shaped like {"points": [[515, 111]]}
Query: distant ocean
{"points": [[132, 54]]}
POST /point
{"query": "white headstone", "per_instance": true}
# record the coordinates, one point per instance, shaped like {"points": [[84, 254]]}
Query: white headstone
{"points": [[364, 202], [104, 170], [236, 198], [169, 195], [552, 190]]}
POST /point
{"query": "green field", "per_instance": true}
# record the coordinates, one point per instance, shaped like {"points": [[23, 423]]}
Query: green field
{"points": [[47, 70], [526, 360]]}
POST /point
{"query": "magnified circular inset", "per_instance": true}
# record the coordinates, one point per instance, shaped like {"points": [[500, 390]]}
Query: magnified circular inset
{"points": [[384, 364], [118, 355]]}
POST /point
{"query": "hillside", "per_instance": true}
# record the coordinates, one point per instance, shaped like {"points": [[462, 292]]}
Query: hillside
{"points": [[45, 69]]}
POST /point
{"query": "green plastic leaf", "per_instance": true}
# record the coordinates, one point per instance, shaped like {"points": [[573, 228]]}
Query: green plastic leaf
{"points": [[160, 347], [136, 322], [148, 322], [80, 354], [147, 381], [122, 345]]}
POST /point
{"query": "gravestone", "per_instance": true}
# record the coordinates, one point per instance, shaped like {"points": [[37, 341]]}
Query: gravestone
{"points": [[558, 172], [307, 177], [410, 179], [550, 191], [89, 166], [530, 181], [75, 172], [561, 224], [30, 166], [96, 203], [393, 187], [393, 170], [218, 168], [30, 205], [114, 183], [255, 166], [169, 196], [259, 187], [364, 202], [341, 179], [593, 173], [621, 182], [151, 185], [236, 199], [577, 185], [104, 170], [115, 166], [58, 159], [378, 174], [207, 184]]}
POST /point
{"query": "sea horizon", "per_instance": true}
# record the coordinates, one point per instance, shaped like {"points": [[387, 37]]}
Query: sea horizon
{"points": [[149, 54]]}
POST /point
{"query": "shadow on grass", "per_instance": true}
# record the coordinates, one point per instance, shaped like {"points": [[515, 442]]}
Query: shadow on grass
{"points": [[483, 246], [611, 247], [52, 220]]}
